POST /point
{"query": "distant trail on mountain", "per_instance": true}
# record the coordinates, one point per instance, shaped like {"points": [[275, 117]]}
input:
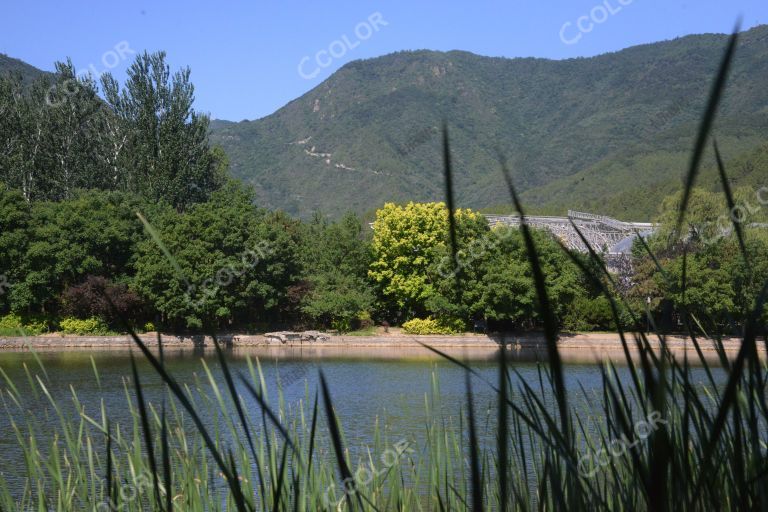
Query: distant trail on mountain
{"points": [[609, 134]]}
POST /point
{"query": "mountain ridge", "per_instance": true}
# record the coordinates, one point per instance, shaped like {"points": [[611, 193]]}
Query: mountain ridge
{"points": [[609, 133], [377, 123]]}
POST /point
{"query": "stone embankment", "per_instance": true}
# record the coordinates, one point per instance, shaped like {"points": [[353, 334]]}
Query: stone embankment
{"points": [[577, 346]]}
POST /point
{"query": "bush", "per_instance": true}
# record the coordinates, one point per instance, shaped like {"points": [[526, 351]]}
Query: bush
{"points": [[14, 325], [149, 327], [434, 326], [93, 325], [92, 298], [586, 314], [363, 321], [341, 325], [10, 325]]}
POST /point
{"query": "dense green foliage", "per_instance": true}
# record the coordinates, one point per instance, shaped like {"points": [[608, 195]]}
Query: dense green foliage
{"points": [[230, 263], [414, 274], [335, 290], [57, 135], [226, 263], [11, 66], [14, 325], [87, 326], [700, 269], [610, 134], [409, 252], [91, 234]]}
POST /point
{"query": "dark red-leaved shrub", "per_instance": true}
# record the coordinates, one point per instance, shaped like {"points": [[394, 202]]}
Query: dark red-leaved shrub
{"points": [[92, 297]]}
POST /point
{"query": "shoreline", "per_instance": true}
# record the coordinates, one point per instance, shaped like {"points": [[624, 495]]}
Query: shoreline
{"points": [[573, 347]]}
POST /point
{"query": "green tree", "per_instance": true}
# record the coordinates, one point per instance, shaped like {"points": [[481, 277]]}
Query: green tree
{"points": [[703, 270], [708, 290], [409, 249], [750, 275], [336, 259], [91, 234], [51, 135], [14, 236], [458, 286], [232, 262], [165, 154], [508, 291], [701, 224]]}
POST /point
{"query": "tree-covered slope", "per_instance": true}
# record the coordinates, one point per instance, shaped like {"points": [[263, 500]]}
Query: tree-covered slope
{"points": [[11, 66], [610, 133]]}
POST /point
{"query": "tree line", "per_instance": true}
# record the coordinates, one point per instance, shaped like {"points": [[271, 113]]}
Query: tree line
{"points": [[63, 132], [228, 264]]}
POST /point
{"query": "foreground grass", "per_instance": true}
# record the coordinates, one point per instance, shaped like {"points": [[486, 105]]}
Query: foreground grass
{"points": [[160, 461], [280, 456]]}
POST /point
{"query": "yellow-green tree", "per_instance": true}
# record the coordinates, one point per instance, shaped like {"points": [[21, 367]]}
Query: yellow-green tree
{"points": [[409, 246]]}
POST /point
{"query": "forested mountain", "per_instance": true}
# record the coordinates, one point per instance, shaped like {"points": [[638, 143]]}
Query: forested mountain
{"points": [[610, 134], [11, 66]]}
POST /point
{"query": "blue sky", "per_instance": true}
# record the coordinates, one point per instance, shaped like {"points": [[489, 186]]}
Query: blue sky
{"points": [[245, 56]]}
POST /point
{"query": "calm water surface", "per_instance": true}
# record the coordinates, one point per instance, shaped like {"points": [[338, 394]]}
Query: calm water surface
{"points": [[390, 387]]}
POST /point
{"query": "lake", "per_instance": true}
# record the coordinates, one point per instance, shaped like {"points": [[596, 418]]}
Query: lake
{"points": [[367, 385]]}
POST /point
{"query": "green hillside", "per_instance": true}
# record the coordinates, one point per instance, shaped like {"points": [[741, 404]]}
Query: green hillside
{"points": [[609, 134], [11, 66]]}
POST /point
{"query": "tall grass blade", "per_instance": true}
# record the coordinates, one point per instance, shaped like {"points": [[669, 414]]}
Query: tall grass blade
{"points": [[545, 308], [474, 450], [111, 487], [166, 454], [502, 437], [338, 448], [449, 199], [272, 416], [144, 417], [178, 392], [312, 431], [239, 409], [715, 94], [731, 203], [729, 395]]}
